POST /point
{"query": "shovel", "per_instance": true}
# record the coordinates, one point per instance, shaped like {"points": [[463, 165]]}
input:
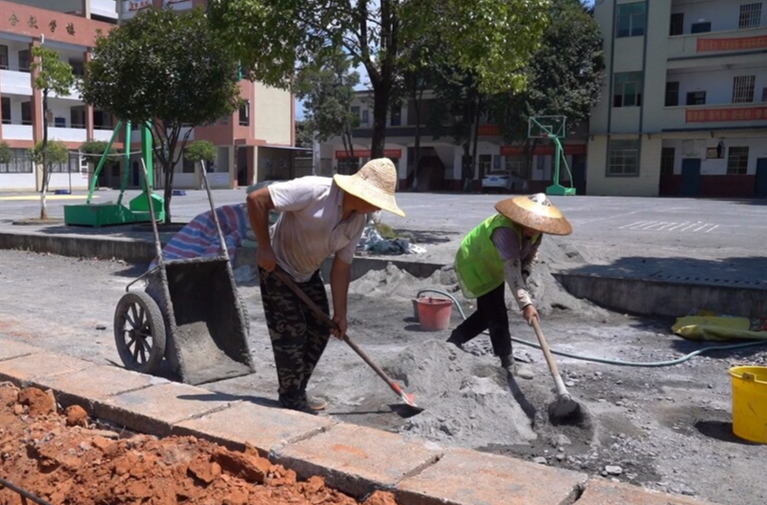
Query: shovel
{"points": [[409, 399], [564, 409]]}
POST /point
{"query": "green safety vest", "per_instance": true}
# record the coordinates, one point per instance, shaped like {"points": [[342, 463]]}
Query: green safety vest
{"points": [[478, 265]]}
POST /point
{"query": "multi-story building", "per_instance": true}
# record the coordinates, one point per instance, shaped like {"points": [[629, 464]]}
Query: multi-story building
{"points": [[685, 107], [254, 144], [441, 166]]}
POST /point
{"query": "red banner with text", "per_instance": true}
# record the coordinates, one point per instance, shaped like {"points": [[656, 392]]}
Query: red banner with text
{"points": [[365, 153], [715, 115], [732, 44]]}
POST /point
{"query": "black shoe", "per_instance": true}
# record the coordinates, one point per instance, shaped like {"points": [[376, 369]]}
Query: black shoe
{"points": [[455, 339]]}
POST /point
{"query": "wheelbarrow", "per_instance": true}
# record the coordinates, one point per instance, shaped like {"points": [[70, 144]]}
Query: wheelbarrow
{"points": [[189, 313]]}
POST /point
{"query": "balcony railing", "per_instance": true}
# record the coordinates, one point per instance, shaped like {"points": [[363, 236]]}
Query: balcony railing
{"points": [[15, 83], [725, 42], [715, 116], [17, 132]]}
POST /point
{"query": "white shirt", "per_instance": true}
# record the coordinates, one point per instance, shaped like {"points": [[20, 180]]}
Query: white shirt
{"points": [[310, 227]]}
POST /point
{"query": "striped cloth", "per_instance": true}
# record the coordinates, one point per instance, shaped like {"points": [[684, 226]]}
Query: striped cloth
{"points": [[199, 238]]}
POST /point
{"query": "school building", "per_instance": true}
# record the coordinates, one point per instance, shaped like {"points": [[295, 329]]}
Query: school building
{"points": [[684, 108], [253, 144]]}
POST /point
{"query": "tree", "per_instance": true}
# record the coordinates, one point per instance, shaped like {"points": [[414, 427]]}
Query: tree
{"points": [[564, 77], [199, 151], [94, 150], [167, 70], [51, 75], [48, 153], [494, 38], [304, 134], [327, 89], [6, 154]]}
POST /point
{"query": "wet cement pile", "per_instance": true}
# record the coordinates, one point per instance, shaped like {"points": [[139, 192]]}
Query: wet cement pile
{"points": [[467, 397]]}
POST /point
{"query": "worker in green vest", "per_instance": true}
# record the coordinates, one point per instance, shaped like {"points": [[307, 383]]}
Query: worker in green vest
{"points": [[504, 247]]}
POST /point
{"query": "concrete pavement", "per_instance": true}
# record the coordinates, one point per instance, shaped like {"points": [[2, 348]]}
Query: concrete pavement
{"points": [[353, 459]]}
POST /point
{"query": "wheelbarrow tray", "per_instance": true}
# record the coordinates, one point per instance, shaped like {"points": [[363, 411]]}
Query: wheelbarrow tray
{"points": [[207, 324]]}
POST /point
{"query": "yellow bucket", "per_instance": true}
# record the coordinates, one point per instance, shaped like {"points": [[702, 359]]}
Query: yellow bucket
{"points": [[749, 402]]}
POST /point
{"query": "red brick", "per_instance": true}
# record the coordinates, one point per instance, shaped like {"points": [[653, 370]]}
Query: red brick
{"points": [[466, 477]]}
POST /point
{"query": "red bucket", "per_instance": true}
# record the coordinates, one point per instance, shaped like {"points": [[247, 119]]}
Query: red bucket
{"points": [[434, 313]]}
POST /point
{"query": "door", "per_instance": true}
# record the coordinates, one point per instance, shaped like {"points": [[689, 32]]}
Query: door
{"points": [[761, 178], [579, 174], [691, 177]]}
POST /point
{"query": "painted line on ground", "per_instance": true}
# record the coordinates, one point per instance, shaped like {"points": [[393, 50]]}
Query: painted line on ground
{"points": [[667, 226]]}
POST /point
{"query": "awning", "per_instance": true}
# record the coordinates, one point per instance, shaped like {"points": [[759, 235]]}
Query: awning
{"points": [[287, 148]]}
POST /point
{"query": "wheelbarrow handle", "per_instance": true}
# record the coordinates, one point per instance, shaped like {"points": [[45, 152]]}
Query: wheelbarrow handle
{"points": [[330, 323]]}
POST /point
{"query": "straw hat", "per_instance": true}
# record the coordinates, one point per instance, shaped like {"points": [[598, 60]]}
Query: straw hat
{"points": [[536, 212], [375, 183]]}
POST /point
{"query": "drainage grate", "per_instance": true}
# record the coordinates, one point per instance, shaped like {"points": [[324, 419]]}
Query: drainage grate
{"points": [[761, 284], [23, 493]]}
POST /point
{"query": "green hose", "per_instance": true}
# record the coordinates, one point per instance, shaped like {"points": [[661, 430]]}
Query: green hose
{"points": [[649, 364]]}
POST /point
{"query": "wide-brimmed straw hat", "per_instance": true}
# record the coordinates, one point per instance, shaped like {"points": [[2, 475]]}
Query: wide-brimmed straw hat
{"points": [[536, 212], [375, 183]]}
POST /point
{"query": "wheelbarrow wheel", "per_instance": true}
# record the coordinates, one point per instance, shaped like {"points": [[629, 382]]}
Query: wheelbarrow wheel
{"points": [[139, 332]]}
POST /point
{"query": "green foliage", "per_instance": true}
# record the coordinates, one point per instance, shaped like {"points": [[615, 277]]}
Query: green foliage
{"points": [[53, 74], [96, 148], [565, 76], [327, 89], [304, 135], [54, 151], [493, 39], [6, 154], [163, 65], [200, 150], [166, 69]]}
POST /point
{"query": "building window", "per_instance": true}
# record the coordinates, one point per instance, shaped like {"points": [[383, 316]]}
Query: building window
{"points": [[764, 94], [60, 122], [26, 113], [102, 120], [356, 110], [628, 89], [677, 24], [750, 15], [4, 61], [672, 94], [77, 116], [696, 98], [631, 19], [667, 155], [396, 116], [187, 166], [743, 89], [5, 104], [70, 166], [25, 59], [245, 113], [737, 161], [78, 67], [701, 27], [623, 158], [365, 117], [20, 163]]}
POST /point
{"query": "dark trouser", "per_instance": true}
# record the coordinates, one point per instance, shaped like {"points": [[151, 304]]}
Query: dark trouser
{"points": [[490, 314], [298, 336]]}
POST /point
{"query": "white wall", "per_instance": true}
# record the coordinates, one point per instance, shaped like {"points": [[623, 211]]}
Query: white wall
{"points": [[10, 182], [723, 14], [757, 148], [717, 83]]}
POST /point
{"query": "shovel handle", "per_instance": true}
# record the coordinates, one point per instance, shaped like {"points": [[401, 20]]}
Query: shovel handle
{"points": [[330, 323], [560, 385]]}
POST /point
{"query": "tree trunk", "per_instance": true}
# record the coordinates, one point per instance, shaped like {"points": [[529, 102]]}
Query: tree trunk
{"points": [[380, 107], [475, 138], [46, 168], [168, 191]]}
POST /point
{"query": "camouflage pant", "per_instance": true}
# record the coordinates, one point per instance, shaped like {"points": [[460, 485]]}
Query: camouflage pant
{"points": [[298, 336]]}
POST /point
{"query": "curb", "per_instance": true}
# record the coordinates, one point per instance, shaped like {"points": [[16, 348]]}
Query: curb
{"points": [[355, 460]]}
